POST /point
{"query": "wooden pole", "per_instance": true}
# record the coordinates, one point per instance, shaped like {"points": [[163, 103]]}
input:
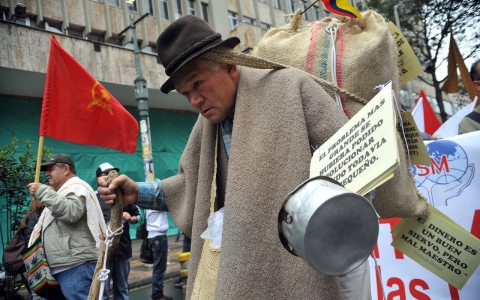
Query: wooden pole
{"points": [[115, 223], [39, 159]]}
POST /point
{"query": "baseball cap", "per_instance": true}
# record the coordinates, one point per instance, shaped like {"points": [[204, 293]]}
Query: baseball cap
{"points": [[57, 158], [105, 168]]}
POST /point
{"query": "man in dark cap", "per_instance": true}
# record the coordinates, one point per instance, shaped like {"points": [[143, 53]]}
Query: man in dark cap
{"points": [[72, 224], [258, 127]]}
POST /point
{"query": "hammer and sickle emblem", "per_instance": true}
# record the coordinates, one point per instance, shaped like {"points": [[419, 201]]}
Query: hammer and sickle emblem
{"points": [[99, 101]]}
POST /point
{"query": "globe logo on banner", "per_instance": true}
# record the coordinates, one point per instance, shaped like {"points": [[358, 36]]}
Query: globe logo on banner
{"points": [[447, 173]]}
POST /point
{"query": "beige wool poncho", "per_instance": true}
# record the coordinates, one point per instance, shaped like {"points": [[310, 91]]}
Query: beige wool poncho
{"points": [[279, 116]]}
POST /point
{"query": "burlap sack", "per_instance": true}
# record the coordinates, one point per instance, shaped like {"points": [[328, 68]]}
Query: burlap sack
{"points": [[205, 283], [365, 57]]}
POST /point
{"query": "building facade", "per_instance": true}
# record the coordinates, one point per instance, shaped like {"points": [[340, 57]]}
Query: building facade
{"points": [[89, 31]]}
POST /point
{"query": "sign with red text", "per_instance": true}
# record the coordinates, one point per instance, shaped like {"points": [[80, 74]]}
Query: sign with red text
{"points": [[452, 185]]}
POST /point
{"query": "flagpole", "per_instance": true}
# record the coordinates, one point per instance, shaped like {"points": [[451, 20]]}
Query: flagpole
{"points": [[141, 95], [39, 159]]}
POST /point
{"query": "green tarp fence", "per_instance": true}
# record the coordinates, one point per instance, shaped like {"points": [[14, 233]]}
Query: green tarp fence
{"points": [[169, 131]]}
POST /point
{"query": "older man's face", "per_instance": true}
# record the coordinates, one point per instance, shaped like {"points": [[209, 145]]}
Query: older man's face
{"points": [[56, 176], [211, 92]]}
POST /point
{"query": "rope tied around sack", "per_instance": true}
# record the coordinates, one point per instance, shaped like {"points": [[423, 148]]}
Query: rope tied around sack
{"points": [[332, 29], [295, 19], [242, 59]]}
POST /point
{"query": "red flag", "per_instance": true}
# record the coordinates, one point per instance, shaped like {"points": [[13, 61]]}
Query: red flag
{"points": [[424, 116], [77, 108]]}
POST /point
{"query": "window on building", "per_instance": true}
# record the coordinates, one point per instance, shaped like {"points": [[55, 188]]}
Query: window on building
{"points": [[114, 41], [191, 7], [233, 18], [178, 8], [75, 32], [21, 21], [248, 20], [150, 49], [263, 1], [96, 37], [3, 15], [33, 22], [132, 4], [53, 26], [147, 5], [114, 2], [164, 9], [265, 25], [132, 47], [292, 5], [277, 4], [316, 9], [205, 11]]}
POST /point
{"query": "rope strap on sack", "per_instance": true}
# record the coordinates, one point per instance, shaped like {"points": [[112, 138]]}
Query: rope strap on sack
{"points": [[242, 59], [332, 29], [103, 275]]}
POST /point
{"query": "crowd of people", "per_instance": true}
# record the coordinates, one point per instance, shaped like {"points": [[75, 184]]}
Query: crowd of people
{"points": [[248, 169]]}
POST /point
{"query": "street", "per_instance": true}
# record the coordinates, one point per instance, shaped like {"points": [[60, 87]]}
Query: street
{"points": [[143, 293]]}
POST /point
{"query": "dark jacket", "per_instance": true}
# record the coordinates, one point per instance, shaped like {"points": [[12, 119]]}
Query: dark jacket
{"points": [[470, 122], [30, 223], [124, 248]]}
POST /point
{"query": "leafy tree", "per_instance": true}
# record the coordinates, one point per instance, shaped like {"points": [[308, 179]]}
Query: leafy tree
{"points": [[427, 25], [16, 171]]}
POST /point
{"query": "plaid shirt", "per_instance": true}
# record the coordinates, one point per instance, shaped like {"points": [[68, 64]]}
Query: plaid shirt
{"points": [[226, 126], [150, 194]]}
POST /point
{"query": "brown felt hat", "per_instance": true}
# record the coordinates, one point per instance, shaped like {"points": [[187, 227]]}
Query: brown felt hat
{"points": [[185, 39]]}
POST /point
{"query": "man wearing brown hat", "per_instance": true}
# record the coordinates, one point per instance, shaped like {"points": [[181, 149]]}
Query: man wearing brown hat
{"points": [[71, 225], [259, 127]]}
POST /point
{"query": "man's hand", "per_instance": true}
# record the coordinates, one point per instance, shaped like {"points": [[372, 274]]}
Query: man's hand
{"points": [[33, 187], [128, 187]]}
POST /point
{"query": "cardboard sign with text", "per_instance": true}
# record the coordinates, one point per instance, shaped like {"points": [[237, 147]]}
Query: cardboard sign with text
{"points": [[416, 147], [363, 153], [440, 245], [408, 63]]}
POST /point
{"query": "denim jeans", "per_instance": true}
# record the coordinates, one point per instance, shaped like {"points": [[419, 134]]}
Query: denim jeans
{"points": [[75, 282], [119, 270], [186, 243], [34, 296], [159, 247]]}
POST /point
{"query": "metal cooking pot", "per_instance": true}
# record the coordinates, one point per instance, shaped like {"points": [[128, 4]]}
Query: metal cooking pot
{"points": [[331, 228]]}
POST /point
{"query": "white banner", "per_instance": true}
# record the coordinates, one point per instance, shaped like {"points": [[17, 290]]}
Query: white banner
{"points": [[452, 185]]}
